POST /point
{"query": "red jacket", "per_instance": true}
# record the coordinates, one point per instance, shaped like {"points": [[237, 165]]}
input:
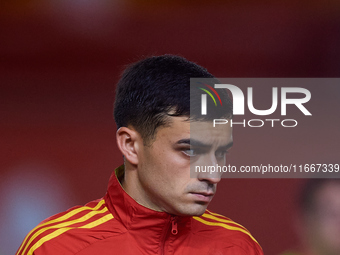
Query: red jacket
{"points": [[117, 224]]}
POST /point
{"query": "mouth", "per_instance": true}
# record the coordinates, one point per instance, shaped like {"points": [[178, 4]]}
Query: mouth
{"points": [[204, 197]]}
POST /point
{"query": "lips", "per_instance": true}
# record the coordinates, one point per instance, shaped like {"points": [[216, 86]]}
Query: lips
{"points": [[202, 196]]}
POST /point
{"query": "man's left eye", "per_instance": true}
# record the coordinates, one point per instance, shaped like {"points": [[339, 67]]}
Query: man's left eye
{"points": [[190, 152]]}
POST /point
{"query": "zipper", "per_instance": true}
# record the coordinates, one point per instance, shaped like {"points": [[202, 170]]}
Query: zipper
{"points": [[173, 224], [174, 230]]}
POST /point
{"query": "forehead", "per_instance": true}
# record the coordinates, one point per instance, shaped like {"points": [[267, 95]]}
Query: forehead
{"points": [[203, 131]]}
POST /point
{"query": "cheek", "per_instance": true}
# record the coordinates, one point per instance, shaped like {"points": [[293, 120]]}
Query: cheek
{"points": [[167, 169], [170, 162], [173, 174]]}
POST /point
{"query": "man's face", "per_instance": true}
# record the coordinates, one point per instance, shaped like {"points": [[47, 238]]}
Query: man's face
{"points": [[164, 177]]}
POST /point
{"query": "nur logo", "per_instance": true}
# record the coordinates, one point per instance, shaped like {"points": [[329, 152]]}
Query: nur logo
{"points": [[238, 99], [280, 97]]}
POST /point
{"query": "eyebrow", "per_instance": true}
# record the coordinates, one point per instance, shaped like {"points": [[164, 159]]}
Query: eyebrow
{"points": [[197, 143]]}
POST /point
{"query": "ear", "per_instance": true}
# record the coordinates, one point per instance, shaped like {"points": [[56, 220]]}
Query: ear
{"points": [[128, 143]]}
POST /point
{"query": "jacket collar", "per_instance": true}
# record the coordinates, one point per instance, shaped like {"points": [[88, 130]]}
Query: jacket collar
{"points": [[135, 216]]}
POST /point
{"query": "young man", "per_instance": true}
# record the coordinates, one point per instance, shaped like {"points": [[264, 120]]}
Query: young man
{"points": [[153, 204]]}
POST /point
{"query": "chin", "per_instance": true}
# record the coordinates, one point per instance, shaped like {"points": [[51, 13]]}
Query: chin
{"points": [[195, 210]]}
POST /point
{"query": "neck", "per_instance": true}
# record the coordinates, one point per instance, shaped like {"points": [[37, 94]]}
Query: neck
{"points": [[132, 186]]}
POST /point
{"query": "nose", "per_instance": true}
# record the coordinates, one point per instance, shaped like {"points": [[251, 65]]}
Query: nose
{"points": [[212, 171], [209, 178]]}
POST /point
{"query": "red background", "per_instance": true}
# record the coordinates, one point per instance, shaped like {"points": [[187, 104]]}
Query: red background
{"points": [[60, 63]]}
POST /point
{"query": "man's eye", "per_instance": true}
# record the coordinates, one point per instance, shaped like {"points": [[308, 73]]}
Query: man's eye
{"points": [[221, 154], [190, 152]]}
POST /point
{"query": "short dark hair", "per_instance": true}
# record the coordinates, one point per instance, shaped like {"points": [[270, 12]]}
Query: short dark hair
{"points": [[155, 88]]}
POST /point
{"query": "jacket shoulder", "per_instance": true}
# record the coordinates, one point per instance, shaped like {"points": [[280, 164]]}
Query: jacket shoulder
{"points": [[228, 233], [68, 232]]}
